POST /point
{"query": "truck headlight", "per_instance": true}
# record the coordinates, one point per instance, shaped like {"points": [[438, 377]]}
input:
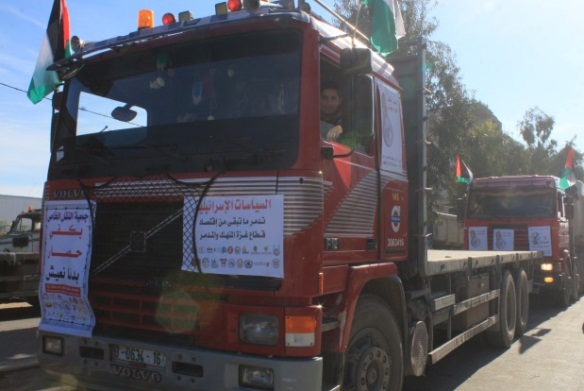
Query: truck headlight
{"points": [[255, 377], [547, 267], [259, 329]]}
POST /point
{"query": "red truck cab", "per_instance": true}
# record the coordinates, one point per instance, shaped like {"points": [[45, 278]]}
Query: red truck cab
{"points": [[518, 213]]}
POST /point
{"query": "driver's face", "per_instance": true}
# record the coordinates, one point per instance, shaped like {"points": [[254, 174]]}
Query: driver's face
{"points": [[330, 101]]}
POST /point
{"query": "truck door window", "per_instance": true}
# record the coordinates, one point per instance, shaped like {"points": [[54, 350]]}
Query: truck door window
{"points": [[358, 112]]}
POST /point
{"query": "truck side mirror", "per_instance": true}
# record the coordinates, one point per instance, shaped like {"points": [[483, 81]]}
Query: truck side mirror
{"points": [[572, 191], [569, 208], [56, 103], [460, 210]]}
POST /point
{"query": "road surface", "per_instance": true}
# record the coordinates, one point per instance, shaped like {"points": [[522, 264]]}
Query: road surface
{"points": [[549, 357]]}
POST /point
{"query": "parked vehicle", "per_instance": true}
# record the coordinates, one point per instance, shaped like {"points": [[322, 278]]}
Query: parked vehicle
{"points": [[240, 250], [19, 258], [529, 213], [24, 233]]}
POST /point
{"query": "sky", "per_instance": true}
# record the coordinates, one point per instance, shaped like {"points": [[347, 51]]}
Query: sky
{"points": [[513, 55]]}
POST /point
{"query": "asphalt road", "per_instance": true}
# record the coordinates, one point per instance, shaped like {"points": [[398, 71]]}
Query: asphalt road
{"points": [[550, 356]]}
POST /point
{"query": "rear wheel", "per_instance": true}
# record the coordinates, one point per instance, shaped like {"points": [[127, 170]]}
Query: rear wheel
{"points": [[522, 303], [374, 358], [507, 314]]}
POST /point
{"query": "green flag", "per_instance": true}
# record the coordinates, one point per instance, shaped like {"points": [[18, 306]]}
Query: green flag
{"points": [[568, 178], [56, 46], [387, 25], [462, 172]]}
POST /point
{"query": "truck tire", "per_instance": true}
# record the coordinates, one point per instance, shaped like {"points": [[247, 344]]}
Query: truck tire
{"points": [[503, 337], [575, 284], [374, 359], [563, 296], [522, 285]]}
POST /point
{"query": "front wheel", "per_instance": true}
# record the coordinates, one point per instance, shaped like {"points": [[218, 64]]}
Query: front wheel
{"points": [[374, 358], [507, 314], [522, 285]]}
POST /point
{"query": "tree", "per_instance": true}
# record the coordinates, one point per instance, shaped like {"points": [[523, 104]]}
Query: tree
{"points": [[447, 102], [536, 128]]}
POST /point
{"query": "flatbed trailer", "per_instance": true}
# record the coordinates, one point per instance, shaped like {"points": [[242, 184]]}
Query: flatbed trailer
{"points": [[485, 272]]}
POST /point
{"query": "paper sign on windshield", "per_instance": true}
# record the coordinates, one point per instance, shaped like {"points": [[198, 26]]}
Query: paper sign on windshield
{"points": [[540, 240], [239, 235], [477, 238], [503, 239], [66, 256]]}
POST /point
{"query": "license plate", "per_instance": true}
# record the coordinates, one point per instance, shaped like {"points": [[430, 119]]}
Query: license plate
{"points": [[137, 355]]}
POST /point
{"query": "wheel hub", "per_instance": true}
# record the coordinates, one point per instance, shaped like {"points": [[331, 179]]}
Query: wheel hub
{"points": [[373, 370]]}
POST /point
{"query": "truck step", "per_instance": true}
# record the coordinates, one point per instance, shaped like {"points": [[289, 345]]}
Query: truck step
{"points": [[329, 324]]}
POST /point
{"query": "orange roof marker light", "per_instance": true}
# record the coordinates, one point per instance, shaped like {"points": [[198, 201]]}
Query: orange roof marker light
{"points": [[145, 19]]}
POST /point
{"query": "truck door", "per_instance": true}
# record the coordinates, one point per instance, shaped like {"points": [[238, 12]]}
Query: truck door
{"points": [[351, 225]]}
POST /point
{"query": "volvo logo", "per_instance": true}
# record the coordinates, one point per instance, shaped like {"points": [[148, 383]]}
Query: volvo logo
{"points": [[138, 374], [60, 194]]}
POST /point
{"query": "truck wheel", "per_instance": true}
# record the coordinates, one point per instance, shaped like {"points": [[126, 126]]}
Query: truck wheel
{"points": [[507, 315], [522, 303], [575, 284], [374, 358], [564, 294]]}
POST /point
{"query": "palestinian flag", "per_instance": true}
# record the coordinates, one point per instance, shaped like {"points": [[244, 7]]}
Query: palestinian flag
{"points": [[463, 174], [56, 46], [387, 25], [568, 178]]}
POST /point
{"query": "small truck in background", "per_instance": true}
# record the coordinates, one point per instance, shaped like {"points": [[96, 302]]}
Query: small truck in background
{"points": [[24, 233], [19, 258]]}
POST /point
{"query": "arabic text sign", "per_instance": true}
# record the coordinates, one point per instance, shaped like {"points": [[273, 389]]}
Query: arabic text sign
{"points": [[239, 235], [391, 151], [67, 228]]}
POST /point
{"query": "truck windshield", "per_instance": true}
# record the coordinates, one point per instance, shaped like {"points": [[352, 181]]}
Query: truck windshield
{"points": [[214, 104], [503, 203]]}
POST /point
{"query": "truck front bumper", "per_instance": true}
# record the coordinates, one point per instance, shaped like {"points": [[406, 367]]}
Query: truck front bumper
{"points": [[557, 282], [90, 362]]}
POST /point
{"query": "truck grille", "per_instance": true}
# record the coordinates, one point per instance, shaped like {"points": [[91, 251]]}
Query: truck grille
{"points": [[137, 288], [142, 293]]}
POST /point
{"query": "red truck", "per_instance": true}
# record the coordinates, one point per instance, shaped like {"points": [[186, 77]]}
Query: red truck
{"points": [[206, 237], [529, 213]]}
